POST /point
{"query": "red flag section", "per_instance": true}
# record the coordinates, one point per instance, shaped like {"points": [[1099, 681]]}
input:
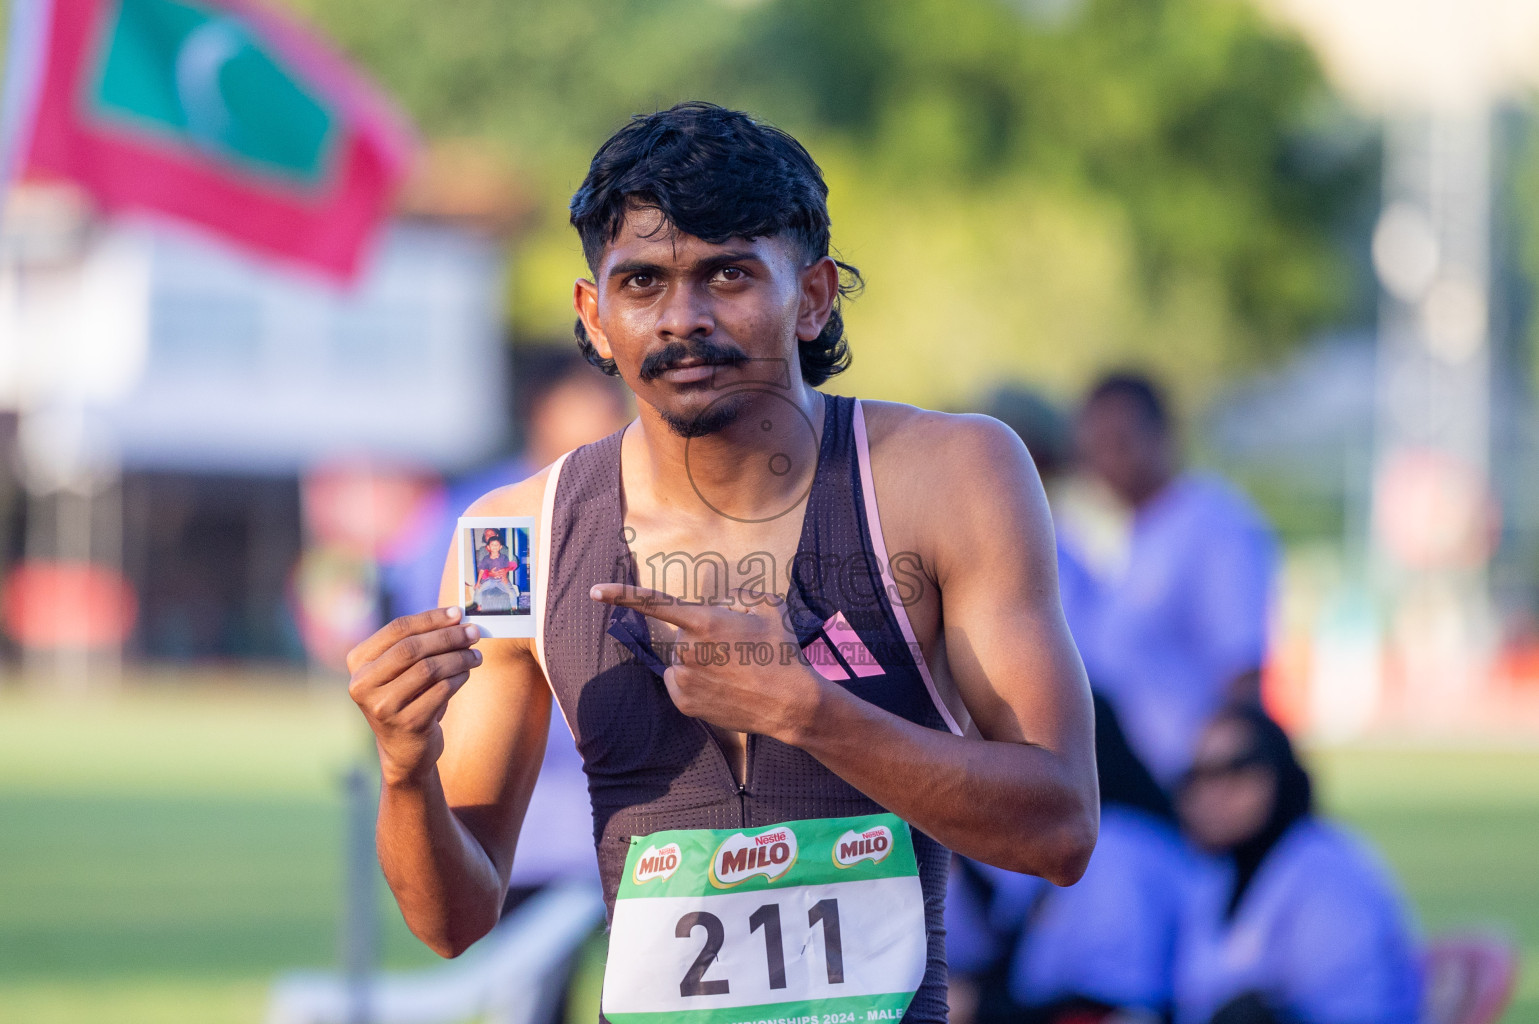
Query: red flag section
{"points": [[219, 113]]}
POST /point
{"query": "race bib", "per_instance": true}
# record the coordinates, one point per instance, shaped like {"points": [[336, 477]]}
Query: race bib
{"points": [[805, 922]]}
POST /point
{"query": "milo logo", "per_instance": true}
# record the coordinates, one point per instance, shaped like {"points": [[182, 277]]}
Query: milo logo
{"points": [[655, 863], [874, 844], [741, 857]]}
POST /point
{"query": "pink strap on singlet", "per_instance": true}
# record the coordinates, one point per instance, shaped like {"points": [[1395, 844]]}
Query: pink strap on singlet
{"points": [[874, 524]]}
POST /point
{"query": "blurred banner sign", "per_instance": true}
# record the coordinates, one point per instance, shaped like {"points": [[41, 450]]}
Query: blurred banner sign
{"points": [[215, 112], [168, 351]]}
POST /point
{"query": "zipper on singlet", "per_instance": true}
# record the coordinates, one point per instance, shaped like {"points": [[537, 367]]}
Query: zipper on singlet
{"points": [[749, 742], [741, 788]]}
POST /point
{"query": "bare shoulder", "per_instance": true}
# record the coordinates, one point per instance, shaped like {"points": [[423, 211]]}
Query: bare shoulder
{"points": [[960, 452], [951, 487], [521, 499]]}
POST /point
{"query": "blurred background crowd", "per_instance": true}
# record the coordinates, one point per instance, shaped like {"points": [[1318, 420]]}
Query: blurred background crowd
{"points": [[1253, 279]]}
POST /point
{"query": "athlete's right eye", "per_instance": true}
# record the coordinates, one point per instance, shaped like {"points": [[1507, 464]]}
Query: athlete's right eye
{"points": [[641, 280]]}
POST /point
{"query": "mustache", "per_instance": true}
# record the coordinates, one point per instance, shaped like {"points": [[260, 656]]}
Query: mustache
{"points": [[703, 350]]}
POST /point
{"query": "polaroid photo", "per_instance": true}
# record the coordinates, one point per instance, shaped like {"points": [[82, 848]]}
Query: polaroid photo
{"points": [[496, 559]]}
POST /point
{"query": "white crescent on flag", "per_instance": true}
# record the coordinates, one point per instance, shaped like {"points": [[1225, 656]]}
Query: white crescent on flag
{"points": [[203, 55]]}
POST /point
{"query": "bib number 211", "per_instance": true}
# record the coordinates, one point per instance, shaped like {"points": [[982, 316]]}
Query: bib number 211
{"points": [[800, 921], [765, 919]]}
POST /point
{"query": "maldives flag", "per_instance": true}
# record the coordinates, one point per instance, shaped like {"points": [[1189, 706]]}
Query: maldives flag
{"points": [[217, 112]]}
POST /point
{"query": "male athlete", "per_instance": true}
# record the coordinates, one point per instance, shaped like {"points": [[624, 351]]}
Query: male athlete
{"points": [[804, 644]]}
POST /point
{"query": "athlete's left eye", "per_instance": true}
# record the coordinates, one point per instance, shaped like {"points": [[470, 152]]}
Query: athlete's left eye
{"points": [[731, 273]]}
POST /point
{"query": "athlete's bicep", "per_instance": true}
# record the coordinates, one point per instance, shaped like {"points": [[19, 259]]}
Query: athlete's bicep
{"points": [[495, 731], [1011, 656]]}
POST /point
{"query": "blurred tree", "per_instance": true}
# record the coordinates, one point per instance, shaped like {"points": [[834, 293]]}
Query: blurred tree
{"points": [[1034, 187], [1170, 142]]}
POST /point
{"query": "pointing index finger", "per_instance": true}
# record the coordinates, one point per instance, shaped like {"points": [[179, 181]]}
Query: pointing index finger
{"points": [[653, 603]]}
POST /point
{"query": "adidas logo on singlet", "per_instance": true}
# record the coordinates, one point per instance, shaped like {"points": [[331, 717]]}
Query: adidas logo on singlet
{"points": [[841, 648]]}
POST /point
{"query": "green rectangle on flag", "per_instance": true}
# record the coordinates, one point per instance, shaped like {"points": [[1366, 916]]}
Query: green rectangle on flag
{"points": [[199, 76]]}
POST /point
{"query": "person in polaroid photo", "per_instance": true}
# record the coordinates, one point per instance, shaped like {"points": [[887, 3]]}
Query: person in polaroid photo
{"points": [[493, 575], [784, 727], [493, 592]]}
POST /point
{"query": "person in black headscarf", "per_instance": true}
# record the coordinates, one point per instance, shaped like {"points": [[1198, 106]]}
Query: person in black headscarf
{"points": [[1105, 944], [1293, 920]]}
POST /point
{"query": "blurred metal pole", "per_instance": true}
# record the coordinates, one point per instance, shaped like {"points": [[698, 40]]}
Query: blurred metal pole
{"points": [[73, 538], [37, 543], [360, 922], [1432, 458], [107, 510]]}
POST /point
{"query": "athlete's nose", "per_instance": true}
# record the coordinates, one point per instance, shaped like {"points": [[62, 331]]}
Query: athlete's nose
{"points": [[686, 313]]}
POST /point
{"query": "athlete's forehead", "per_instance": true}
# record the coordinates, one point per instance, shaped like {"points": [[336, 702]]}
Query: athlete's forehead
{"points": [[648, 241]]}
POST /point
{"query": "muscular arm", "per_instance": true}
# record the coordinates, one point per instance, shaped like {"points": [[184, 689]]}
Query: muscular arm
{"points": [[447, 834], [1023, 794], [458, 758]]}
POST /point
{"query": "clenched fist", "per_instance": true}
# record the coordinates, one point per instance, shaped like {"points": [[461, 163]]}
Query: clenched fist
{"points": [[402, 678]]}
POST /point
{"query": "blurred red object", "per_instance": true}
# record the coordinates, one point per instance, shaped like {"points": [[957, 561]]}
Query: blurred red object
{"points": [[1518, 666], [1435, 511], [1285, 681], [1471, 977], [67, 605]]}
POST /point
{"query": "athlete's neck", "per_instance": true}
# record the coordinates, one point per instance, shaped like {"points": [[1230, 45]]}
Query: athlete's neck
{"points": [[754, 467]]}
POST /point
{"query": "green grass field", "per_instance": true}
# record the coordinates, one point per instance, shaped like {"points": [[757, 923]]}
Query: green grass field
{"points": [[165, 854]]}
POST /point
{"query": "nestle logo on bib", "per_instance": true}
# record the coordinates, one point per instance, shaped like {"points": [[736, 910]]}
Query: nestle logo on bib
{"points": [[741, 857], [655, 863], [874, 844]]}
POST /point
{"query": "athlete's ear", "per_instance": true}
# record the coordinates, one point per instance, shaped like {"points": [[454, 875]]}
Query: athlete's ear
{"points": [[819, 288], [585, 301]]}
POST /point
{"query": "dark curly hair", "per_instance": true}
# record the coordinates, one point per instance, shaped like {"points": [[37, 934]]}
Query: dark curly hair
{"points": [[716, 174]]}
